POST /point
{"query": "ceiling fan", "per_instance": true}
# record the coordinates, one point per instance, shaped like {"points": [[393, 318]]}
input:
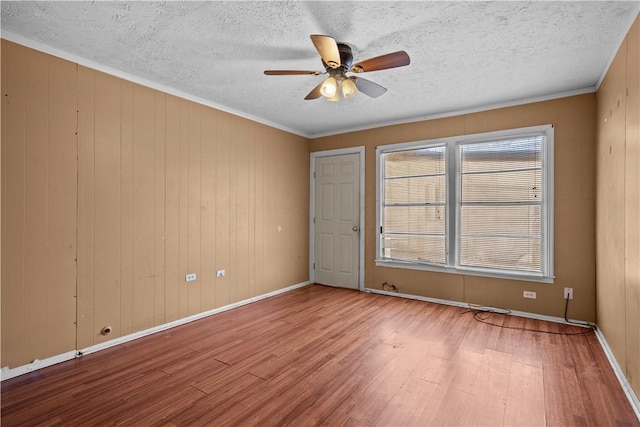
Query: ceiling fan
{"points": [[337, 60]]}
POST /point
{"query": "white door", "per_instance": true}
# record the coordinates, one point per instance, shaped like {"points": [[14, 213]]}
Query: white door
{"points": [[337, 220]]}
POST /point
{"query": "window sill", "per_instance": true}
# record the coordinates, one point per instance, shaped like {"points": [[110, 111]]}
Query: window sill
{"points": [[464, 271]]}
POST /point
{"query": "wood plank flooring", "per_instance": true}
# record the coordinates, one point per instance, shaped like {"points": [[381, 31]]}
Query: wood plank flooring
{"points": [[332, 357]]}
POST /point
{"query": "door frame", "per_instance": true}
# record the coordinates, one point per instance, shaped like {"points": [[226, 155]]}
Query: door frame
{"points": [[312, 207]]}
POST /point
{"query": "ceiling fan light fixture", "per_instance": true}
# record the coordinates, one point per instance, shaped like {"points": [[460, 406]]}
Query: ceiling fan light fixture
{"points": [[349, 88], [329, 88], [337, 60]]}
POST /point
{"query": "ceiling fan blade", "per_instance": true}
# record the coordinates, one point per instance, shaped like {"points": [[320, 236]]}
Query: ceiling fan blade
{"points": [[328, 49], [315, 93], [383, 62], [290, 72], [368, 87]]}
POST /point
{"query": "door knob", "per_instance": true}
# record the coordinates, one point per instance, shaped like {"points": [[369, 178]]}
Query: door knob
{"points": [[356, 228]]}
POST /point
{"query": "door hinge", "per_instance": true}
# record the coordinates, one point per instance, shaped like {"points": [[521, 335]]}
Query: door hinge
{"points": [[314, 219], [314, 265], [380, 229], [314, 174]]}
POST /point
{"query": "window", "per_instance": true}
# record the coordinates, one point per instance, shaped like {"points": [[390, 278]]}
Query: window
{"points": [[476, 204]]}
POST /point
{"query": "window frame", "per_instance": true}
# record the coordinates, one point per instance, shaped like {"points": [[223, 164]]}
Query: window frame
{"points": [[453, 195]]}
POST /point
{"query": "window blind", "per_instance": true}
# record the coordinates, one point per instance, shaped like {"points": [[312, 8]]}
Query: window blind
{"points": [[414, 209], [500, 204]]}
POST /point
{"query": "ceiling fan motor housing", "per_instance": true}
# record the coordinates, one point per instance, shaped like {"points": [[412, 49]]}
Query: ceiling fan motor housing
{"points": [[346, 60]]}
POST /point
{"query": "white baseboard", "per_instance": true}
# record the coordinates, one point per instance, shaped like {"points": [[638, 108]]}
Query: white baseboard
{"points": [[6, 373], [555, 319], [626, 387]]}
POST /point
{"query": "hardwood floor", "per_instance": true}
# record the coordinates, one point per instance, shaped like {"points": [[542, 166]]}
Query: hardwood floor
{"points": [[334, 357]]}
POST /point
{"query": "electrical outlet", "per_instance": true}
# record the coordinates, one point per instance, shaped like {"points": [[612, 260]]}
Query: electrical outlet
{"points": [[529, 294], [220, 273], [190, 277], [568, 293]]}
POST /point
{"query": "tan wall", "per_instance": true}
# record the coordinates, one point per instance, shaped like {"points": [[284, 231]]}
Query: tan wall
{"points": [[574, 121], [39, 169], [618, 207], [165, 187]]}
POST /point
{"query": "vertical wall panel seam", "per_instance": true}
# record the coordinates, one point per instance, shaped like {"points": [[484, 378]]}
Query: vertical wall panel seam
{"points": [[93, 210], [215, 140], [48, 201], [120, 185], [156, 294], [77, 85], [154, 237], [233, 209], [121, 214], [251, 250], [234, 255], [155, 203], [184, 227], [201, 111], [164, 232], [164, 216], [132, 186], [93, 207], [156, 252], [624, 203], [24, 179], [188, 197], [200, 308], [181, 208]]}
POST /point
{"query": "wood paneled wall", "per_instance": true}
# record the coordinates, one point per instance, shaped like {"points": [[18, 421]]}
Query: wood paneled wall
{"points": [[39, 176], [618, 207], [162, 187], [574, 257]]}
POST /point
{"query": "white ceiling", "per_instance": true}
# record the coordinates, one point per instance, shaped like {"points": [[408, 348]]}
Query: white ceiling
{"points": [[464, 55]]}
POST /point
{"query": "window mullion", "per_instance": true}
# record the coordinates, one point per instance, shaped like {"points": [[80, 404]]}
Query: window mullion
{"points": [[451, 226]]}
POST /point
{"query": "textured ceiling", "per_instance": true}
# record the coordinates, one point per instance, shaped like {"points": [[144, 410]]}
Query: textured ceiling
{"points": [[464, 55]]}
